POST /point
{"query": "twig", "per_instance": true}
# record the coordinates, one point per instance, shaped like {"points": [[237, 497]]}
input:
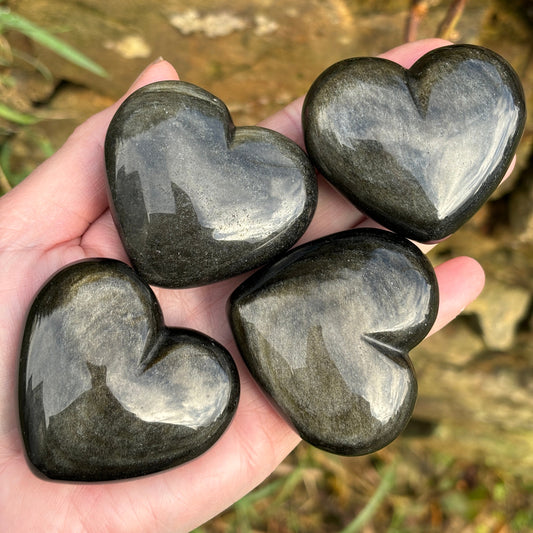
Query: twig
{"points": [[417, 11], [453, 15]]}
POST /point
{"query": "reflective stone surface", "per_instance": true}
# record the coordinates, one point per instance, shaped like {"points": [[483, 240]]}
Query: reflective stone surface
{"points": [[326, 332], [419, 150], [105, 390], [195, 199]]}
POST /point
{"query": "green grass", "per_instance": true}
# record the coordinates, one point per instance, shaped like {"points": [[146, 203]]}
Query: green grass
{"points": [[13, 21], [384, 488], [397, 490], [10, 21], [9, 177], [22, 119]]}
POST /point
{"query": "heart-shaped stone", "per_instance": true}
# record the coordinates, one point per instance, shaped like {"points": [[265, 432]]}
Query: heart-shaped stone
{"points": [[106, 391], [419, 150], [196, 199], [326, 332]]}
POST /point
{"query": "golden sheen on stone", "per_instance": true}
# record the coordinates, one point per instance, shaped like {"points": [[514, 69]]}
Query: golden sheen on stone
{"points": [[195, 199], [106, 391], [418, 150], [326, 332]]}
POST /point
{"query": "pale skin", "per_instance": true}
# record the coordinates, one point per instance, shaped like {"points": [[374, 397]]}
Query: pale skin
{"points": [[60, 214]]}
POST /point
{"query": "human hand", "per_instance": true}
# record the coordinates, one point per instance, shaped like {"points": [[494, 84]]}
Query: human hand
{"points": [[59, 215]]}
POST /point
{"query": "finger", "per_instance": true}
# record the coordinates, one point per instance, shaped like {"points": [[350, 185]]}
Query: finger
{"points": [[258, 438], [256, 442], [425, 247], [407, 54], [70, 186], [461, 280], [334, 213]]}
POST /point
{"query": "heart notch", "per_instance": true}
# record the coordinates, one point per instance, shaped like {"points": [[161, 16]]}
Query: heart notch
{"points": [[326, 332], [195, 199], [106, 391], [420, 149]]}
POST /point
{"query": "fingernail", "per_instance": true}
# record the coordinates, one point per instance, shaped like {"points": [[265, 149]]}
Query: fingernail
{"points": [[156, 61]]}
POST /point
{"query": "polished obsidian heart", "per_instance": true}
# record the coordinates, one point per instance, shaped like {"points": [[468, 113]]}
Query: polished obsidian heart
{"points": [[419, 150], [326, 332], [106, 391], [195, 199]]}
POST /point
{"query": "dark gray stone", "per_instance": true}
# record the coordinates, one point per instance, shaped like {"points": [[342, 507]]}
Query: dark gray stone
{"points": [[419, 150], [195, 199], [106, 391], [326, 332]]}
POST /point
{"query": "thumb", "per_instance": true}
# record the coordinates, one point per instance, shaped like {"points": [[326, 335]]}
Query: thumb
{"points": [[71, 184]]}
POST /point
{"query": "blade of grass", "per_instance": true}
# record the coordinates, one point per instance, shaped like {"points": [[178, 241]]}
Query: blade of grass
{"points": [[260, 493], [244, 508], [5, 186], [17, 117], [43, 146], [39, 66], [387, 483], [11, 179], [9, 20], [294, 478], [46, 147]]}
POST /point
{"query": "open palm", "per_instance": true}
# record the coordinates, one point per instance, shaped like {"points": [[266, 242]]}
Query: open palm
{"points": [[60, 214]]}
